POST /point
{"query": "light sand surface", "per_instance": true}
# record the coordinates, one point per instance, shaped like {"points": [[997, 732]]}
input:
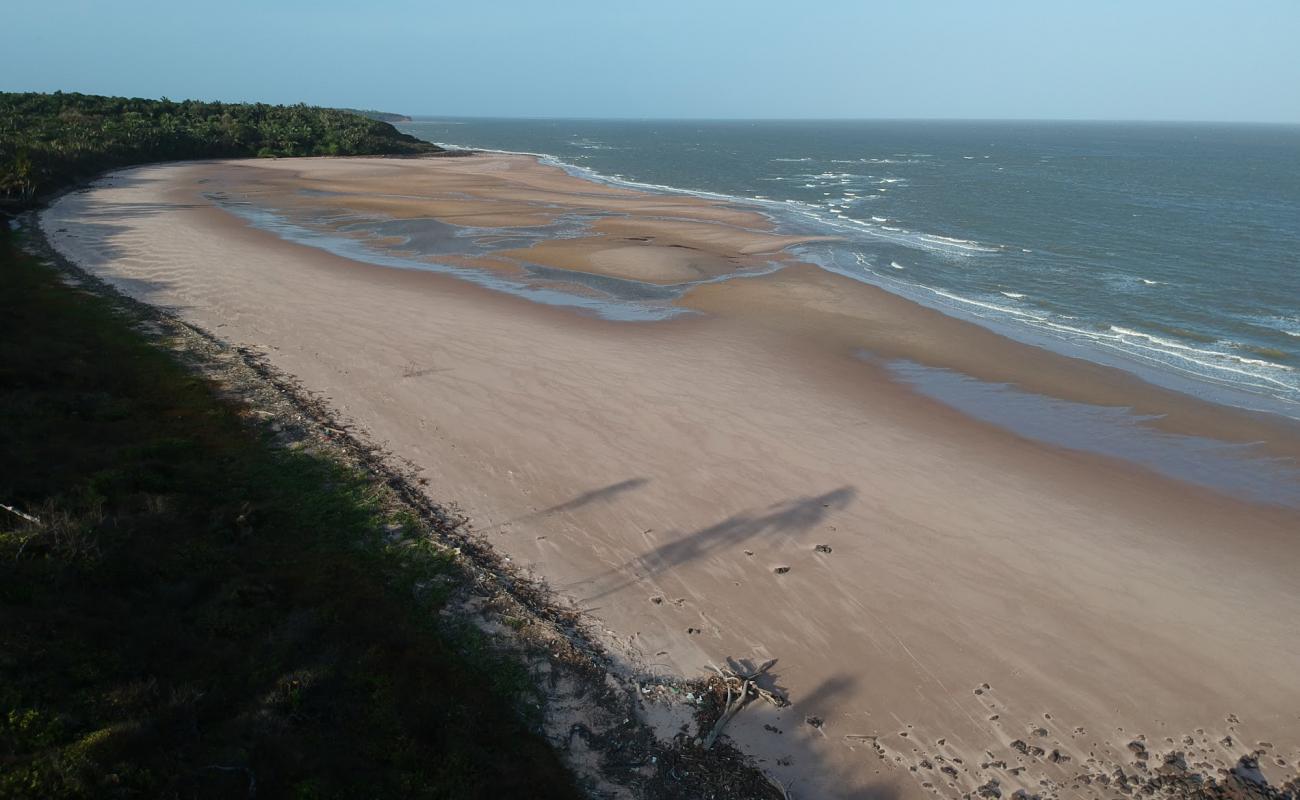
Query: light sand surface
{"points": [[980, 587]]}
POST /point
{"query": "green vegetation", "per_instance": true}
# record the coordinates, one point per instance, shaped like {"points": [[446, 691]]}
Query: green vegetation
{"points": [[50, 141], [201, 606], [382, 116]]}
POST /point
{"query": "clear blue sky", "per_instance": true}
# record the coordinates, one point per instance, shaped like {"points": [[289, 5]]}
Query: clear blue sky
{"points": [[1087, 59]]}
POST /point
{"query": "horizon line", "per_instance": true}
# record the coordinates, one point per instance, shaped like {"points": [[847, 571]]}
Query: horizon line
{"points": [[422, 117]]}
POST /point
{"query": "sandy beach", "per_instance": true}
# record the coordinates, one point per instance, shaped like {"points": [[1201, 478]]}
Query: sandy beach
{"points": [[949, 602]]}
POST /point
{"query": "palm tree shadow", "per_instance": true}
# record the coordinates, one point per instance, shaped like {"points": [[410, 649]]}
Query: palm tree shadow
{"points": [[786, 518], [603, 494], [595, 495]]}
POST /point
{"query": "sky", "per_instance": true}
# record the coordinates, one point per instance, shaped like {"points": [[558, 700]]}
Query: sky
{"points": [[1089, 59]]}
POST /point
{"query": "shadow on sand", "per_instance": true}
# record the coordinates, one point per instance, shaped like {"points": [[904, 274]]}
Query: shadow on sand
{"points": [[787, 518]]}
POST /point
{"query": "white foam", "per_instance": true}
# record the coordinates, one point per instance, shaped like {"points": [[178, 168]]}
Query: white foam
{"points": [[1013, 295], [1288, 325], [961, 243], [985, 305], [1127, 334], [896, 265]]}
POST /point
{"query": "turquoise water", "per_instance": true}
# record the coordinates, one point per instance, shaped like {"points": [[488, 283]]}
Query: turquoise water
{"points": [[1172, 250]]}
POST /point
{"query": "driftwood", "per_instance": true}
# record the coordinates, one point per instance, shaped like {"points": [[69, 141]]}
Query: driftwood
{"points": [[741, 689], [27, 517]]}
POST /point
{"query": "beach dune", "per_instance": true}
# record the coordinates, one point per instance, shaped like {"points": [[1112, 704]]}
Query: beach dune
{"points": [[949, 603]]}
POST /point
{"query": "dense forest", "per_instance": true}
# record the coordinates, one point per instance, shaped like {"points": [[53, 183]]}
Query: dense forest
{"points": [[50, 141]]}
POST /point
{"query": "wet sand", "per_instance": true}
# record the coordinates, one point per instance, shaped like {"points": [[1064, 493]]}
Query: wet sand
{"points": [[980, 592]]}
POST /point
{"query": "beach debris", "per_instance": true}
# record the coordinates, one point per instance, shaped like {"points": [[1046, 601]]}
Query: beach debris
{"points": [[742, 688], [823, 548], [816, 722], [1024, 749], [780, 570]]}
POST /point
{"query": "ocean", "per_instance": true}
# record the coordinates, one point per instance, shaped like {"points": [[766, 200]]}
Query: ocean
{"points": [[1171, 250]]}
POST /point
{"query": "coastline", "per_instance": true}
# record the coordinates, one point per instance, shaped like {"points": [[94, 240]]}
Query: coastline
{"points": [[511, 407], [1219, 363]]}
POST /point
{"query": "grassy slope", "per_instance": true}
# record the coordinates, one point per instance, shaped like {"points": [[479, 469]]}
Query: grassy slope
{"points": [[200, 607]]}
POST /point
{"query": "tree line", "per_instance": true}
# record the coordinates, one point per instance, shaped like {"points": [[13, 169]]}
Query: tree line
{"points": [[51, 141]]}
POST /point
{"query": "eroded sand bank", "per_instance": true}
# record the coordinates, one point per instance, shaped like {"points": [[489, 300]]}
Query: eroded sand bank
{"points": [[980, 589]]}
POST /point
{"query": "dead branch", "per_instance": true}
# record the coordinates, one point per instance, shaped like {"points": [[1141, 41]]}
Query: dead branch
{"points": [[741, 689], [27, 517]]}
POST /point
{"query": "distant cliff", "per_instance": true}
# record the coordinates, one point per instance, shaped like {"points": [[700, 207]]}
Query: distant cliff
{"points": [[51, 141]]}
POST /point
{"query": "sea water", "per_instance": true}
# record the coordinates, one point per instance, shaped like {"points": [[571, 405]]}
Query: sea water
{"points": [[1172, 250]]}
